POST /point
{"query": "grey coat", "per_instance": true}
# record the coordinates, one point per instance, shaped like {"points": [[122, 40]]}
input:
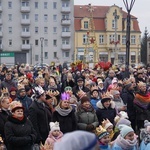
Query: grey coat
{"points": [[85, 118]]}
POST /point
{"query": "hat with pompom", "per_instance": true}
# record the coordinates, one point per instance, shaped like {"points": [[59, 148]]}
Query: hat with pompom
{"points": [[146, 123], [54, 126]]}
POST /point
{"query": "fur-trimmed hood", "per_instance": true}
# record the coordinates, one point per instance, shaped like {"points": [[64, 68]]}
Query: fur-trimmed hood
{"points": [[100, 105]]}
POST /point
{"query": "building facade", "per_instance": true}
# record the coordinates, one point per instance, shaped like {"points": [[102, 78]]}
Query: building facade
{"points": [[110, 34], [30, 29]]}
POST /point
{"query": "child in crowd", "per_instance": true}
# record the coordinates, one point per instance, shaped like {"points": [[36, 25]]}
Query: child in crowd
{"points": [[145, 136], [54, 135], [103, 137], [108, 126], [126, 140]]}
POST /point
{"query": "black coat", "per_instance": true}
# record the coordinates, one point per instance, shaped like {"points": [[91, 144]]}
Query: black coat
{"points": [[20, 135], [3, 119], [106, 113], [67, 123], [40, 117]]}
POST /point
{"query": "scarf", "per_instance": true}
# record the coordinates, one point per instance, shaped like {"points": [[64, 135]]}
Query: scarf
{"points": [[20, 118], [63, 112], [125, 144], [143, 98], [89, 109]]}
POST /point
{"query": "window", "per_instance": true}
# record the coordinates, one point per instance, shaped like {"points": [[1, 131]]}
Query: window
{"points": [[46, 55], [84, 39], [45, 42], [132, 58], [111, 38], [54, 29], [9, 5], [54, 5], [65, 41], [45, 30], [55, 42], [36, 57], [132, 39], [65, 29], [36, 42], [24, 42], [113, 24], [25, 16], [25, 4], [121, 58], [36, 29], [45, 17], [65, 4], [45, 5], [65, 54], [36, 5], [0, 15], [55, 54], [123, 39], [86, 25], [65, 16], [103, 57], [54, 17], [0, 28], [101, 39], [25, 28], [10, 42], [36, 17], [9, 17], [10, 30]]}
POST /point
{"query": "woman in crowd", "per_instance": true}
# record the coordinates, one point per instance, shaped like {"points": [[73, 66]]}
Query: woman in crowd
{"points": [[19, 132], [64, 114]]}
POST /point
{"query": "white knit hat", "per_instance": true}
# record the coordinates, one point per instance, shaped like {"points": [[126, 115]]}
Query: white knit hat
{"points": [[54, 126]]}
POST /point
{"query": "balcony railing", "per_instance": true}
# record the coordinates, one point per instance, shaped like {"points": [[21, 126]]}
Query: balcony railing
{"points": [[66, 34], [25, 9], [1, 9], [66, 9], [25, 21], [25, 47], [25, 34], [66, 21], [66, 46]]}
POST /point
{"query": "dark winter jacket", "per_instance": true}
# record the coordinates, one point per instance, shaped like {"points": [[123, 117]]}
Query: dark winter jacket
{"points": [[40, 116], [67, 123], [26, 102], [20, 135], [106, 113], [86, 117]]}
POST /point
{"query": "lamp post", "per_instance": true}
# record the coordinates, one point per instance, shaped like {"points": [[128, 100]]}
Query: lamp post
{"points": [[128, 4], [41, 39]]}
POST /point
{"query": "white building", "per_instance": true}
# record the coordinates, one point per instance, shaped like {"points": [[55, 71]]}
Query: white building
{"points": [[28, 27]]}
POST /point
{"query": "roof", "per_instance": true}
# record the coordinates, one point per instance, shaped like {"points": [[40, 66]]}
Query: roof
{"points": [[99, 14]]}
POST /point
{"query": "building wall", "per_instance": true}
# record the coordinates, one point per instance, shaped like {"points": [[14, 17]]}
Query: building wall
{"points": [[32, 50], [107, 49]]}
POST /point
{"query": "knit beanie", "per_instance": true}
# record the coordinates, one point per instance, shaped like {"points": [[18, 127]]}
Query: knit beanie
{"points": [[124, 130], [101, 132], [54, 126], [146, 123], [123, 121], [84, 99]]}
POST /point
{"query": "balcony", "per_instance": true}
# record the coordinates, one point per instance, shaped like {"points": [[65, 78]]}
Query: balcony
{"points": [[66, 46], [65, 9], [1, 9], [25, 34], [25, 9], [25, 21], [66, 34], [1, 21], [1, 47], [25, 47], [66, 21]]}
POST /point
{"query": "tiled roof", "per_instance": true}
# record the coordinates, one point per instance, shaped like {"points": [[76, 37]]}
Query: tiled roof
{"points": [[99, 14]]}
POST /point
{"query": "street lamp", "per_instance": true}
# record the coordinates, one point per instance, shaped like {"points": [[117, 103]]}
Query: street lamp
{"points": [[128, 4], [42, 39]]}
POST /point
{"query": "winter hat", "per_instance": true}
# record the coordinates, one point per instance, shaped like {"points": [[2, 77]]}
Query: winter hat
{"points": [[146, 123], [115, 92], [68, 88], [27, 88], [54, 126], [21, 88], [123, 114], [124, 130], [14, 105], [77, 140], [94, 90], [106, 124], [114, 80], [38, 91], [101, 132], [13, 89], [123, 121], [85, 99]]}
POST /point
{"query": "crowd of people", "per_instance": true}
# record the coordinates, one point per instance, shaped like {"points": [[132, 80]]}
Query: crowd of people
{"points": [[60, 108]]}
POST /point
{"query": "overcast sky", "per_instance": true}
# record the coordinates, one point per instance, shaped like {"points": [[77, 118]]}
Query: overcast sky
{"points": [[141, 9]]}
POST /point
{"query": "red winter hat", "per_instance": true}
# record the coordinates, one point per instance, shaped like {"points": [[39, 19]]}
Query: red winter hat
{"points": [[13, 89], [29, 75]]}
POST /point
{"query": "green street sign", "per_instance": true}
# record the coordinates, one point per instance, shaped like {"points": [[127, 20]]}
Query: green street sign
{"points": [[7, 54]]}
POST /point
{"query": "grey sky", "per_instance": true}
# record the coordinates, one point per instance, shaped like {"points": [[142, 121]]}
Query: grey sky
{"points": [[141, 9]]}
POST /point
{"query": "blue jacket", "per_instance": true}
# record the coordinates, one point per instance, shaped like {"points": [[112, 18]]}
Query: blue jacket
{"points": [[143, 146], [104, 147], [93, 102], [117, 147]]}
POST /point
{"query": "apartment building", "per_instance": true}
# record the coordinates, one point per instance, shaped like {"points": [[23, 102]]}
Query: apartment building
{"points": [[31, 29], [110, 34]]}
